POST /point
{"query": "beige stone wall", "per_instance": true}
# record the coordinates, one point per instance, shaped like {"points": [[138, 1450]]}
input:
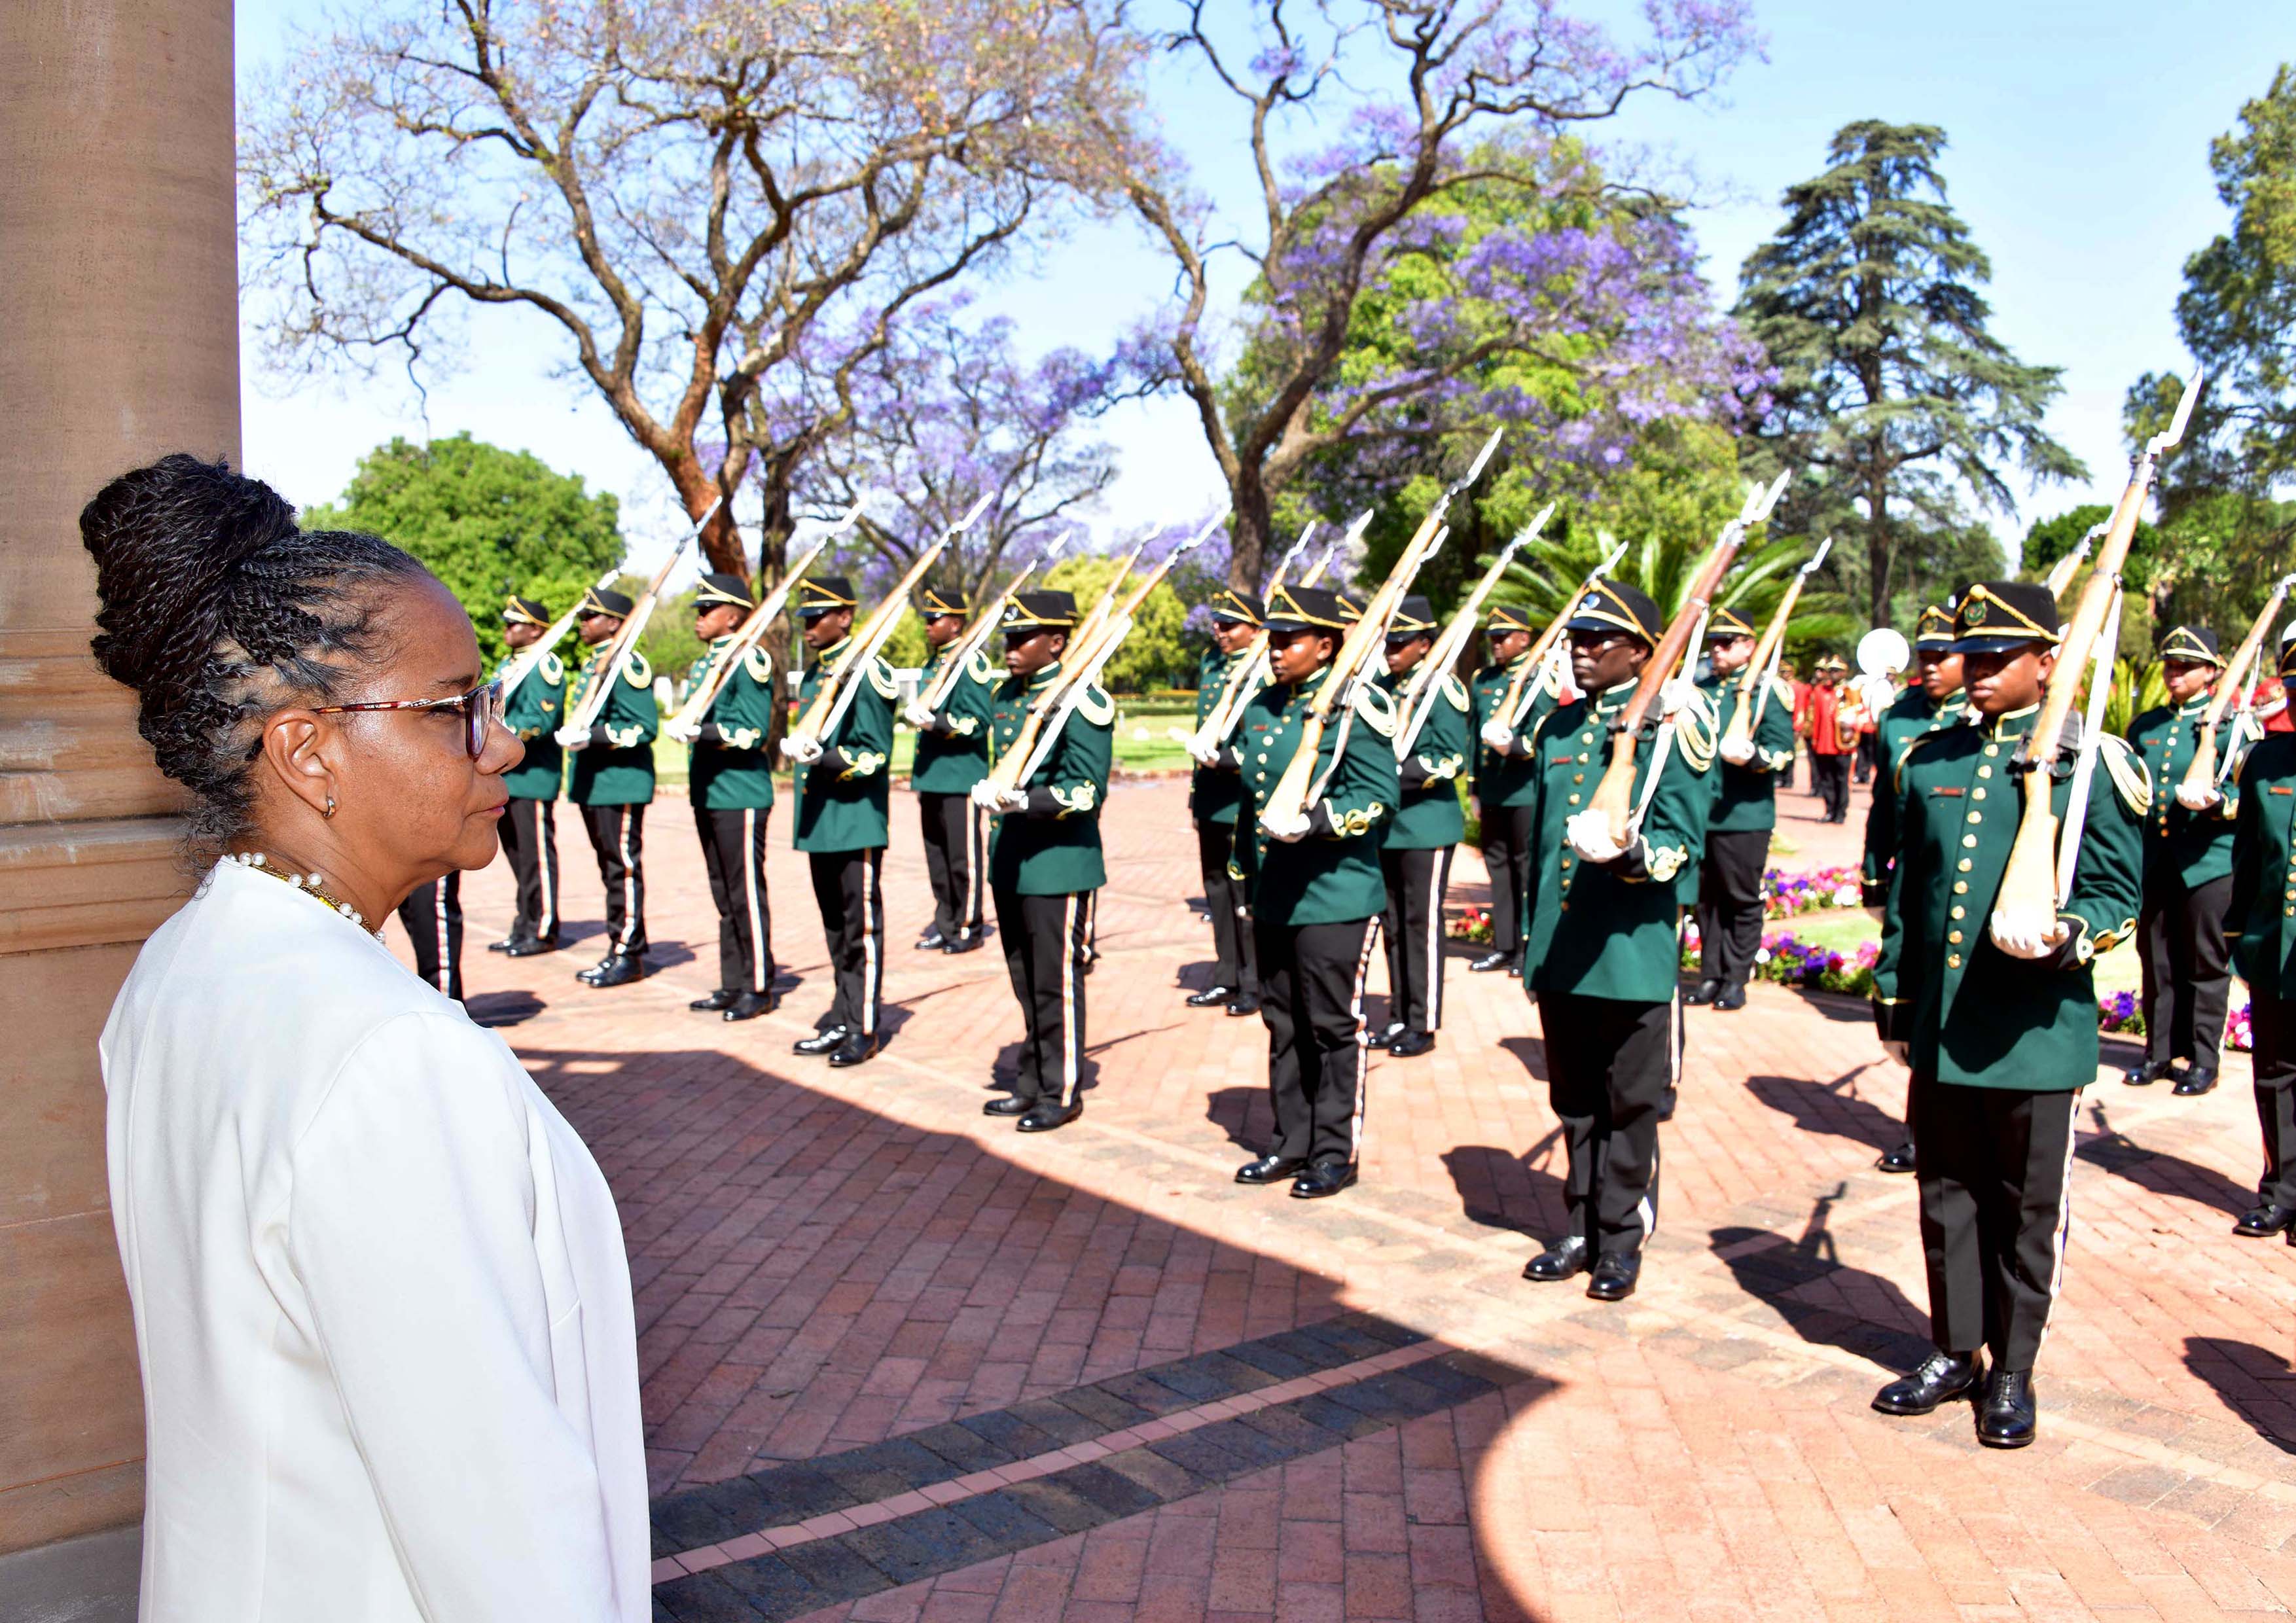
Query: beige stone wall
{"points": [[117, 341]]}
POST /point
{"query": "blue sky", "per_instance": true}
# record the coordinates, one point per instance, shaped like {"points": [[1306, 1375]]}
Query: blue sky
{"points": [[2078, 157]]}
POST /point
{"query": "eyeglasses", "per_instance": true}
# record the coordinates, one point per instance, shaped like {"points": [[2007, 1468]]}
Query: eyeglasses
{"points": [[481, 707]]}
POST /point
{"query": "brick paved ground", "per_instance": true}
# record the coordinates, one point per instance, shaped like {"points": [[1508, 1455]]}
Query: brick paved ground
{"points": [[902, 1363]]}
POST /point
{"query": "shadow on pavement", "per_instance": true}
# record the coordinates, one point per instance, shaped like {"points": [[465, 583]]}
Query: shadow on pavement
{"points": [[1501, 1189], [1245, 1115], [2253, 1382], [1825, 1301], [1830, 1107], [2158, 1171]]}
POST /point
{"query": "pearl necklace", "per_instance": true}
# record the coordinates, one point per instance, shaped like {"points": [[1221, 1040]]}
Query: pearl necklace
{"points": [[310, 884]]}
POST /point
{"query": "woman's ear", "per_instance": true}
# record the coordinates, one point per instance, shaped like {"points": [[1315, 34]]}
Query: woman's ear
{"points": [[294, 744]]}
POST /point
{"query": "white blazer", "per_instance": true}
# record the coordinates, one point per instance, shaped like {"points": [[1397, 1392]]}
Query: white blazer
{"points": [[390, 1365]]}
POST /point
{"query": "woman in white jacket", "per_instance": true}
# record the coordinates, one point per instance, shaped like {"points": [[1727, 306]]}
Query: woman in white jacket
{"points": [[381, 1302]]}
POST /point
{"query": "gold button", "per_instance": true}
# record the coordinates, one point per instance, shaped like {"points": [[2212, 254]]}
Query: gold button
{"points": [[1993, 749], [1566, 862], [1977, 794], [1578, 777], [1961, 886], [1985, 771], [1975, 816], [1959, 911], [1953, 961], [1582, 760], [1969, 840], [1966, 865], [1564, 906], [1954, 936], [1574, 799]]}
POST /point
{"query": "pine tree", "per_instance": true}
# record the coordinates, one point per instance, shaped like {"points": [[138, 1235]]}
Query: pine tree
{"points": [[1891, 388]]}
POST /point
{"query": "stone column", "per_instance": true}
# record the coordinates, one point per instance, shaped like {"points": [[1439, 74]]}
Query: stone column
{"points": [[119, 341]]}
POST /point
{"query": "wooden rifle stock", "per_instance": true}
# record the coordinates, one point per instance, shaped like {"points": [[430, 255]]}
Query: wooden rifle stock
{"points": [[535, 652], [753, 628], [862, 646], [1513, 706], [2203, 772], [1419, 697], [1753, 699], [625, 640]]}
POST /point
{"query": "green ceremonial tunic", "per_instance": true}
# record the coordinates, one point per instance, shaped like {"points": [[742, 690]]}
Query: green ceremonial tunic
{"points": [[1973, 1014], [842, 799], [2261, 921], [1330, 875], [953, 757], [1908, 717], [1053, 847], [534, 712], [1214, 792], [1746, 798], [726, 767], [2182, 847], [1609, 929], [1509, 780], [1428, 816], [617, 767]]}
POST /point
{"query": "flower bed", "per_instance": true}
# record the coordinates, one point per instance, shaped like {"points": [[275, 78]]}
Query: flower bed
{"points": [[1474, 925], [1788, 894]]}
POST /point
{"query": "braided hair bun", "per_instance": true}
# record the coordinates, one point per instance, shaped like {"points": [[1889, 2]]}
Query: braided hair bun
{"points": [[219, 612]]}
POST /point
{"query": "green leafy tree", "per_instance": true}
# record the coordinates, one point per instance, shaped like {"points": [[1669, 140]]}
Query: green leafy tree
{"points": [[1893, 390], [1158, 653], [485, 520]]}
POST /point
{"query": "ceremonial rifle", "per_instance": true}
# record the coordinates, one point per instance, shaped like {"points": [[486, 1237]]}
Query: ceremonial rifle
{"points": [[1250, 674], [1516, 702], [625, 640], [687, 722], [1088, 628], [2200, 776], [1419, 697], [835, 694], [1767, 653], [1287, 802], [536, 651], [976, 634], [2025, 909], [2061, 573], [1614, 796]]}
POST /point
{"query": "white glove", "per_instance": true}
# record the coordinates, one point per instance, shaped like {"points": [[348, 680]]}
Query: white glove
{"points": [[2019, 944], [1010, 801], [1290, 829], [918, 716], [681, 732], [1202, 754], [1903, 1053], [2198, 799], [572, 738], [983, 794], [1674, 696], [802, 749], [1589, 834], [1498, 735], [1737, 751]]}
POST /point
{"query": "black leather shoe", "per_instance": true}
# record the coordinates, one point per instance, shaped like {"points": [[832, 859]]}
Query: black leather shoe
{"points": [[2144, 1075], [1940, 1376], [1381, 1039], [2197, 1079], [1488, 962], [1559, 1261], [1899, 1159], [721, 998], [931, 941], [1007, 1105], [590, 976], [1045, 1116], [964, 944], [859, 1048], [820, 1042], [1730, 998], [1327, 1177], [504, 944], [530, 948], [1270, 1169], [1616, 1274], [2260, 1221], [1209, 995], [1706, 991], [1411, 1044], [1242, 1006], [2005, 1415], [748, 1005], [619, 972]]}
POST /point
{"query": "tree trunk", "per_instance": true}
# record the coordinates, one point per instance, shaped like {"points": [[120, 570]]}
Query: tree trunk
{"points": [[1249, 525], [1881, 550], [773, 558]]}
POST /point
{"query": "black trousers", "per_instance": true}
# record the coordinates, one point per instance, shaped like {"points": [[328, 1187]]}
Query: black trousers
{"points": [[1506, 853], [1232, 943], [2187, 969], [1611, 1069], [2272, 1024], [1828, 776], [1730, 905], [617, 835], [956, 862], [529, 838], [1992, 1164], [1416, 881], [1868, 744], [733, 851], [849, 886], [1311, 989], [1042, 937], [433, 915]]}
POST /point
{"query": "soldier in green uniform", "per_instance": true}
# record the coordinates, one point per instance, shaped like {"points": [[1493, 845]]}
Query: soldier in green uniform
{"points": [[732, 784], [1933, 701], [1315, 892], [530, 824], [2181, 945], [1745, 809], [1603, 924], [1214, 791], [1045, 860], [612, 780], [1414, 860], [951, 756], [1504, 782], [2260, 924], [2000, 1035], [843, 822]]}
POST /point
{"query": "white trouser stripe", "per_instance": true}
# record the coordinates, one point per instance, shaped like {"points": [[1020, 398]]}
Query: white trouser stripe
{"points": [[629, 879], [969, 925], [1067, 1000], [547, 926], [756, 910], [1433, 990], [1363, 1040], [869, 860]]}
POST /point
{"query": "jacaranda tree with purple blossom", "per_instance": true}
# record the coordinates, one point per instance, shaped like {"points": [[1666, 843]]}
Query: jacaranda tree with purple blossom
{"points": [[1415, 88]]}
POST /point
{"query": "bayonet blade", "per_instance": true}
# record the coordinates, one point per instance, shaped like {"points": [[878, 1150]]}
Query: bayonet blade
{"points": [[965, 523], [2175, 429], [1475, 470], [1819, 557]]}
